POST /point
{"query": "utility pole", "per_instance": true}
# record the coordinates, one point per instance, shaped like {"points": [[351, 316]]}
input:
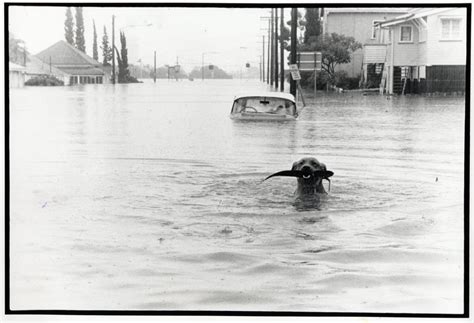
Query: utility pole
{"points": [[113, 49], [272, 52], [294, 18], [268, 53], [260, 69], [263, 59], [154, 68], [282, 49], [276, 48]]}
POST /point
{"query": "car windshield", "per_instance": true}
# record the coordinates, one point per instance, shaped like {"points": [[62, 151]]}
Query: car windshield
{"points": [[264, 105]]}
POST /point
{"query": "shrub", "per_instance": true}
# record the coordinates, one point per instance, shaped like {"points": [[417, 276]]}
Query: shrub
{"points": [[44, 80]]}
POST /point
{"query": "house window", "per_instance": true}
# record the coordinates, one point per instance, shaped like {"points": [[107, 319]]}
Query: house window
{"points": [[451, 29], [374, 28], [406, 33]]}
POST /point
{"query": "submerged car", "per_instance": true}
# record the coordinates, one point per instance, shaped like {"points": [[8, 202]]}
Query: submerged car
{"points": [[265, 106]]}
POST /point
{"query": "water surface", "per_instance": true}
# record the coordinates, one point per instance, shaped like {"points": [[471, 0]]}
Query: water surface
{"points": [[147, 196]]}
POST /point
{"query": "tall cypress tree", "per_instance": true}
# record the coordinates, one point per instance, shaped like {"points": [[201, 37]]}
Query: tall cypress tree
{"points": [[80, 40], [95, 53], [106, 50], [122, 58], [69, 27], [312, 26]]}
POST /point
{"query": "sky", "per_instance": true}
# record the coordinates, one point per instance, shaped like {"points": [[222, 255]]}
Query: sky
{"points": [[228, 37]]}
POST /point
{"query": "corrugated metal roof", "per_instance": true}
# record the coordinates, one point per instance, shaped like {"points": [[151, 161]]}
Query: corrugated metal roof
{"points": [[35, 66], [62, 53], [15, 67], [83, 71]]}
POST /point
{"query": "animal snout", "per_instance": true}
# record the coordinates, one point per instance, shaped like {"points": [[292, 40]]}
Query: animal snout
{"points": [[307, 169]]}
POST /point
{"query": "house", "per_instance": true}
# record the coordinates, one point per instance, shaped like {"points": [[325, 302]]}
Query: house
{"points": [[16, 75], [359, 23], [37, 68], [425, 51], [78, 66]]}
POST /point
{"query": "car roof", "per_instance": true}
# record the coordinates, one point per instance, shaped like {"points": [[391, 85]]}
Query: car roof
{"points": [[279, 95]]}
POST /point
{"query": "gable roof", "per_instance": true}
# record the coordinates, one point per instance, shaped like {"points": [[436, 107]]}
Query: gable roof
{"points": [[15, 67], [414, 14], [64, 54], [35, 66], [329, 11]]}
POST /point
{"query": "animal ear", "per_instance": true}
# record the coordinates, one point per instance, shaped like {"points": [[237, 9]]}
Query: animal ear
{"points": [[294, 166]]}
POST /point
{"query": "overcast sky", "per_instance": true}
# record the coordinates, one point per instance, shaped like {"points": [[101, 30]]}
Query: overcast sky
{"points": [[233, 35]]}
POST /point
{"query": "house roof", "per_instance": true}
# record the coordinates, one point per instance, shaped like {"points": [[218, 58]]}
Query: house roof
{"points": [[15, 67], [328, 11], [62, 53], [83, 71], [35, 66], [413, 14]]}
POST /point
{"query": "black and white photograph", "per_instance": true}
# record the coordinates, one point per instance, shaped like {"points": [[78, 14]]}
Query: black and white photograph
{"points": [[280, 159]]}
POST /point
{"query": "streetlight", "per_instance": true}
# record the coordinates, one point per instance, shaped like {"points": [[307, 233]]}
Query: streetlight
{"points": [[202, 65]]}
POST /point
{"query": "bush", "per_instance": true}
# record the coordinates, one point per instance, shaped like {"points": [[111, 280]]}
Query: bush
{"points": [[44, 80], [129, 79], [345, 82]]}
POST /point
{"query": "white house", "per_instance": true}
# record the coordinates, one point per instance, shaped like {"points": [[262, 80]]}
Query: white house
{"points": [[16, 75], [425, 51]]}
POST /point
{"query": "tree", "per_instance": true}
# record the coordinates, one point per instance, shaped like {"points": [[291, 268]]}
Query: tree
{"points": [[17, 52], [69, 27], [312, 25], [95, 54], [122, 59], [336, 49], [106, 49], [80, 40]]}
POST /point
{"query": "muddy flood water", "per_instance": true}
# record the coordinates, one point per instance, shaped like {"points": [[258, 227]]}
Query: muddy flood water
{"points": [[149, 197]]}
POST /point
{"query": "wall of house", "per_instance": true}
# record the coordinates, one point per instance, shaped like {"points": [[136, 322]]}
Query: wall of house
{"points": [[442, 52], [406, 54], [359, 26], [16, 79]]}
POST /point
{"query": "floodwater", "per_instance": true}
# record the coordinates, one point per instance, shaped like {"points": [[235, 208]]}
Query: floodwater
{"points": [[148, 197]]}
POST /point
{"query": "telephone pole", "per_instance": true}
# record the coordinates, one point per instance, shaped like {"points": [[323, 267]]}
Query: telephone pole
{"points": [[272, 53], [294, 17], [282, 49], [113, 49], [263, 58], [154, 67], [276, 48]]}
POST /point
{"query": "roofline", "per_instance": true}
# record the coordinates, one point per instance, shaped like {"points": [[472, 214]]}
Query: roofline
{"points": [[328, 11], [404, 18], [87, 58]]}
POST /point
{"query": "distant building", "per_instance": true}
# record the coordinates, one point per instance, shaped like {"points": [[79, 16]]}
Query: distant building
{"points": [[425, 51], [16, 75], [77, 66], [360, 24], [37, 68]]}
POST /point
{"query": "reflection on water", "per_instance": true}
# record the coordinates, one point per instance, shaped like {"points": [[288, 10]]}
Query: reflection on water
{"points": [[147, 196]]}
